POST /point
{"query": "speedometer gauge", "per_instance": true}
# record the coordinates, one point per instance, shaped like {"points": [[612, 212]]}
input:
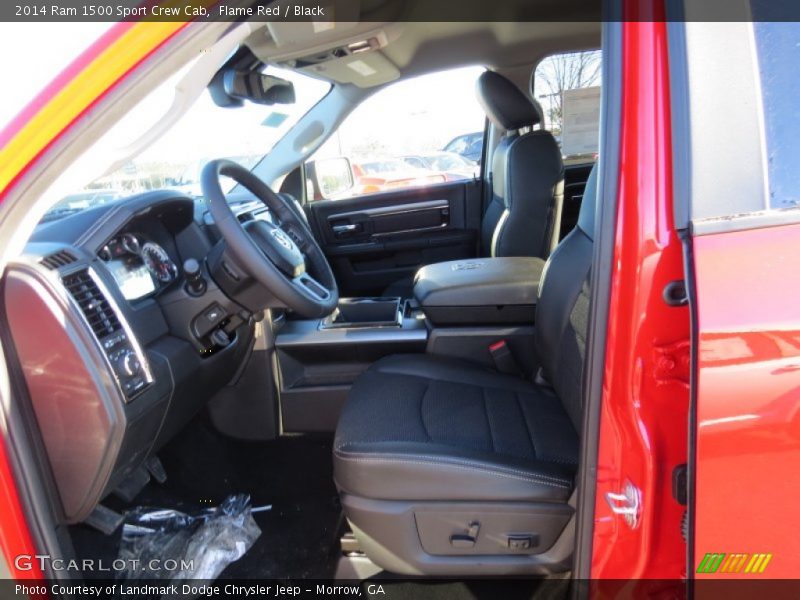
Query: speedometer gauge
{"points": [[159, 263]]}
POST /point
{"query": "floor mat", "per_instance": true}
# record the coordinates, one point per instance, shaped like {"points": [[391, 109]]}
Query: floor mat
{"points": [[294, 474]]}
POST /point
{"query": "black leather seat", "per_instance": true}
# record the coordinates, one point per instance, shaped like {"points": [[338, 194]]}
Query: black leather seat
{"points": [[418, 429], [523, 217], [425, 427]]}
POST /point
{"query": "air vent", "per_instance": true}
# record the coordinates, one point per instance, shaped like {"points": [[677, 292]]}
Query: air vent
{"points": [[58, 259], [94, 305]]}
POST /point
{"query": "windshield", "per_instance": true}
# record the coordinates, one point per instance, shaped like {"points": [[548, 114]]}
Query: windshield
{"points": [[205, 132]]}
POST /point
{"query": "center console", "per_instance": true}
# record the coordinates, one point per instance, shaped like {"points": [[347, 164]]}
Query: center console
{"points": [[480, 291], [354, 313], [459, 309]]}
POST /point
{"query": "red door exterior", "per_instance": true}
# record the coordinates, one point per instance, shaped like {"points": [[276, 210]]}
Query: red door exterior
{"points": [[748, 407], [643, 428]]}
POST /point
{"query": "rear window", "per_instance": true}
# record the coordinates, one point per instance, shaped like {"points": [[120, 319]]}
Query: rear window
{"points": [[567, 86], [778, 47]]}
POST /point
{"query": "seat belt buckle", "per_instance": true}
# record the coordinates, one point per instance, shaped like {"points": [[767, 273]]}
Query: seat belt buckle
{"points": [[503, 359]]}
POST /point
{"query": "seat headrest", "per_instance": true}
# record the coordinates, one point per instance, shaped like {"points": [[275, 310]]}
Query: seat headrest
{"points": [[586, 216], [505, 104]]}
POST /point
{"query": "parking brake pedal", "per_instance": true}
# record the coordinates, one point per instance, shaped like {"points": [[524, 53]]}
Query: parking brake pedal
{"points": [[156, 469], [104, 519]]}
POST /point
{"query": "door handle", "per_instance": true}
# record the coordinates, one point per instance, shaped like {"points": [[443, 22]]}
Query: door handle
{"points": [[343, 229]]}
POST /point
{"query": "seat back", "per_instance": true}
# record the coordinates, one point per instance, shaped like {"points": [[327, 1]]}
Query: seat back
{"points": [[524, 213], [562, 311]]}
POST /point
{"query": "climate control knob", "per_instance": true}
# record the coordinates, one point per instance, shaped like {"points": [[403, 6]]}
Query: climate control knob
{"points": [[128, 364]]}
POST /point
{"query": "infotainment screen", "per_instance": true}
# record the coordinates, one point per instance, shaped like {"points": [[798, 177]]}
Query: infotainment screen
{"points": [[132, 277]]}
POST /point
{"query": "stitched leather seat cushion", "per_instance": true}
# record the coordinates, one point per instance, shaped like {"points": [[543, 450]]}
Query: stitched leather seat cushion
{"points": [[419, 427]]}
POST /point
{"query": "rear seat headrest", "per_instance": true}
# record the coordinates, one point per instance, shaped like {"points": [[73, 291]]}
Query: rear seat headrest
{"points": [[504, 103]]}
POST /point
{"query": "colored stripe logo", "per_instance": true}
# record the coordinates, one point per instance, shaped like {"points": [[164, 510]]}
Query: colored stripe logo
{"points": [[714, 562]]}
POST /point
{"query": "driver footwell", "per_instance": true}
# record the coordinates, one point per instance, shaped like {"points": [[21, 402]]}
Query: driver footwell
{"points": [[300, 534]]}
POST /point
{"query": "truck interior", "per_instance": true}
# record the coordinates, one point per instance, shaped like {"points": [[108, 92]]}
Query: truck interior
{"points": [[398, 373]]}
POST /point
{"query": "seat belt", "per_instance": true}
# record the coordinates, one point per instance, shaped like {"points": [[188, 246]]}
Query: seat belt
{"points": [[503, 359]]}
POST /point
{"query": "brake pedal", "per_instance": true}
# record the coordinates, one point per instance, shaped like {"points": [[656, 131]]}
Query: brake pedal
{"points": [[104, 519], [130, 487]]}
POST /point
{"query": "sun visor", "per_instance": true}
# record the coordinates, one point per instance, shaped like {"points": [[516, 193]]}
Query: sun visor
{"points": [[364, 69]]}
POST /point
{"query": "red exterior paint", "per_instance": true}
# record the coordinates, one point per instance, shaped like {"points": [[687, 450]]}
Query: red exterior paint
{"points": [[15, 538], [748, 407], [643, 428]]}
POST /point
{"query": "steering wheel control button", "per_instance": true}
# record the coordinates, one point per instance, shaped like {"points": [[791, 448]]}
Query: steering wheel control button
{"points": [[195, 283]]}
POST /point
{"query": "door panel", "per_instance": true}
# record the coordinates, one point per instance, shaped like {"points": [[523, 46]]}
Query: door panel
{"points": [[375, 240]]}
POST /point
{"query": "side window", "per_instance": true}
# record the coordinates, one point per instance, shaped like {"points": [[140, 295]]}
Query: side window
{"points": [[416, 133], [568, 88], [778, 56]]}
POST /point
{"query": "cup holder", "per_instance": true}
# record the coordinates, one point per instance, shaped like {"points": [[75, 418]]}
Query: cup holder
{"points": [[364, 312]]}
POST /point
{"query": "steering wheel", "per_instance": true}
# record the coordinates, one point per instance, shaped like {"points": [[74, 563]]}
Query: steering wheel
{"points": [[284, 258]]}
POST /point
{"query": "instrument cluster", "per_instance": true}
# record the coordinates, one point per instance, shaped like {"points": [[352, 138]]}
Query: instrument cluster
{"points": [[139, 266]]}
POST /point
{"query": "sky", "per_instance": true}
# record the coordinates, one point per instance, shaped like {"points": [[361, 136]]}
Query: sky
{"points": [[23, 79]]}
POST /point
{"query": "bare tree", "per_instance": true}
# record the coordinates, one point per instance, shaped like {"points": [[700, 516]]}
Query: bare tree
{"points": [[563, 72]]}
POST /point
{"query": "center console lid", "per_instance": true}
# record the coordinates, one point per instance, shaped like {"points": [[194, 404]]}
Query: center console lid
{"points": [[480, 290]]}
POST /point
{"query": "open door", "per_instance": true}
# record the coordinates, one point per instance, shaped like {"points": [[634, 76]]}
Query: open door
{"points": [[745, 242]]}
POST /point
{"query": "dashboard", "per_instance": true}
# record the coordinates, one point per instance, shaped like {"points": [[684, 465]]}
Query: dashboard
{"points": [[132, 350], [139, 267]]}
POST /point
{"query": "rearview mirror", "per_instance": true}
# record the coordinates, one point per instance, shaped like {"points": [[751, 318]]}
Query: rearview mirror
{"points": [[328, 178], [230, 88], [259, 88]]}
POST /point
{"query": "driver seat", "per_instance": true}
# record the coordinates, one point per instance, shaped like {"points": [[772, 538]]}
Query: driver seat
{"points": [[448, 468]]}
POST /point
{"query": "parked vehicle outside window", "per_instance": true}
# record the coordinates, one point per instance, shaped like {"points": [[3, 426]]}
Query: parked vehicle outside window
{"points": [[416, 133], [470, 146]]}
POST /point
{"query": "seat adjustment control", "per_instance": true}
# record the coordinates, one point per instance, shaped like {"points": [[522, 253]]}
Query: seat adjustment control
{"points": [[522, 541], [461, 540]]}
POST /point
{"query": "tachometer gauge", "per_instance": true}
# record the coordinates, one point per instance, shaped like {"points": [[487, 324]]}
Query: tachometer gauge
{"points": [[130, 243], [159, 263]]}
